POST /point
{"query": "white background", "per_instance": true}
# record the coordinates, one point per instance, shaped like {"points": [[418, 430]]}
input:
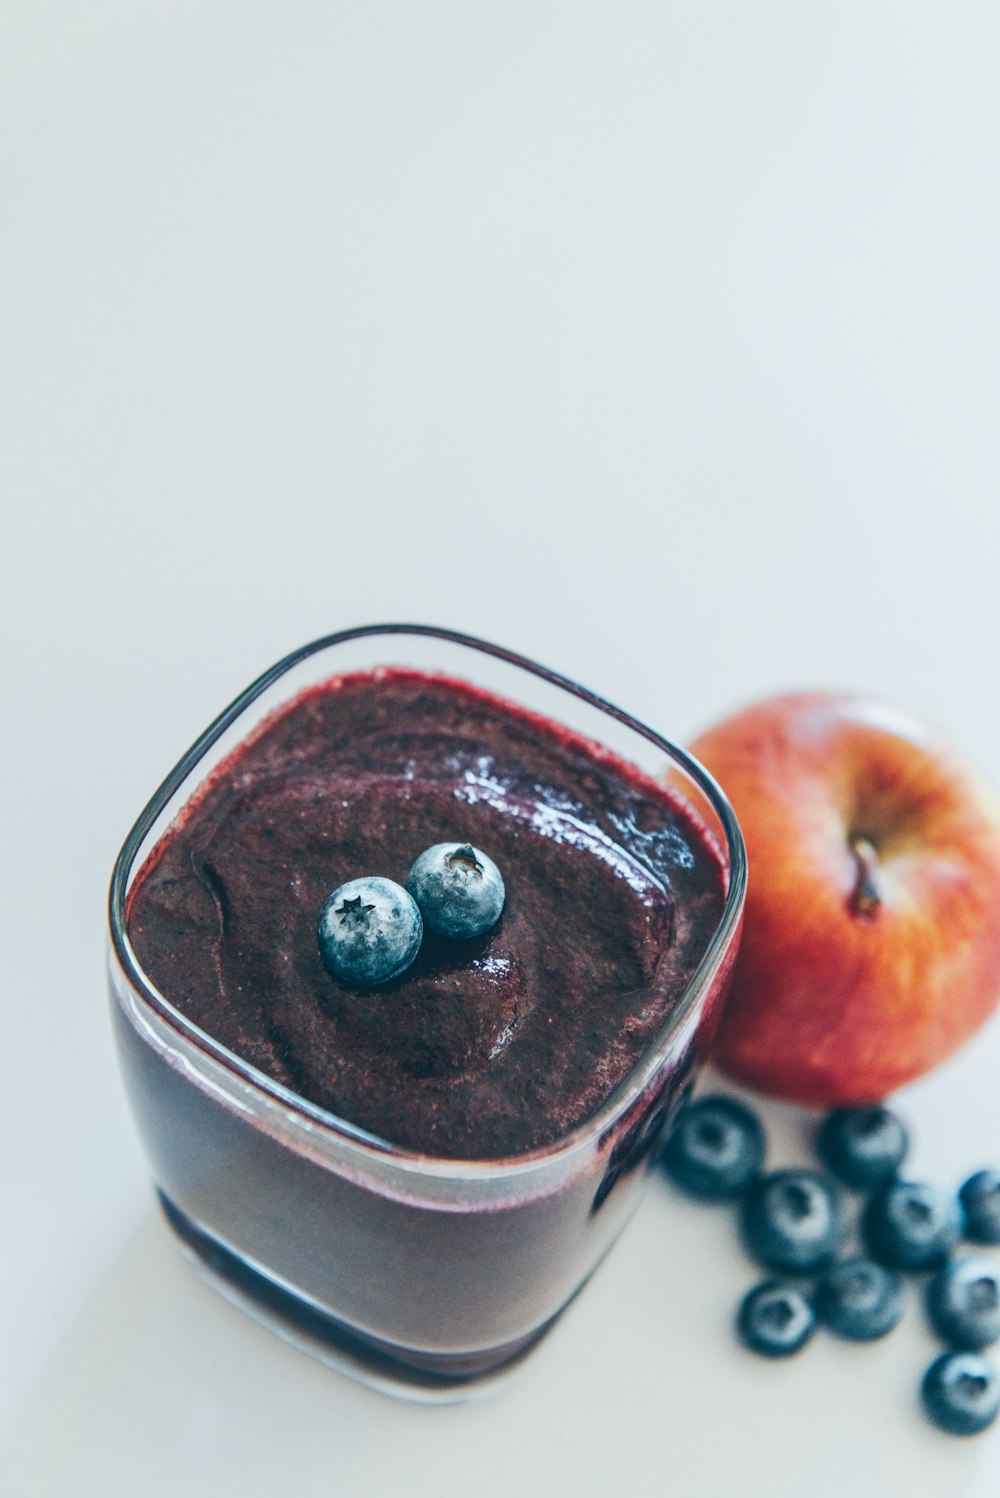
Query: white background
{"points": [[658, 341]]}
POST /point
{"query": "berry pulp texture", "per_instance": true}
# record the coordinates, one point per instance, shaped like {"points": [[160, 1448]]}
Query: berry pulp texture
{"points": [[614, 890]]}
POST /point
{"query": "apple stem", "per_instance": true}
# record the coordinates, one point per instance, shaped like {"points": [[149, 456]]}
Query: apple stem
{"points": [[865, 896]]}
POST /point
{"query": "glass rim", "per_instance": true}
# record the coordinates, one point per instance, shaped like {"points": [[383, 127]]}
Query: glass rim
{"points": [[313, 1115]]}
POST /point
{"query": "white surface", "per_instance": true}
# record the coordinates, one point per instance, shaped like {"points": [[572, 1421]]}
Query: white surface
{"points": [[660, 342]]}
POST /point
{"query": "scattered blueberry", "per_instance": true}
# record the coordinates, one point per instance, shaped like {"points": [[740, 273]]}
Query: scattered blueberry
{"points": [[862, 1146], [859, 1299], [961, 1393], [459, 890], [369, 932], [793, 1220], [980, 1198], [910, 1225], [775, 1320], [716, 1149], [963, 1303]]}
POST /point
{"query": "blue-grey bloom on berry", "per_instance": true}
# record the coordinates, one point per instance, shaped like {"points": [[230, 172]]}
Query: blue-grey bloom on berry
{"points": [[980, 1200], [775, 1320], [793, 1220], [369, 932], [961, 1393], [859, 1299], [460, 891], [862, 1146], [910, 1225], [963, 1303], [716, 1149]]}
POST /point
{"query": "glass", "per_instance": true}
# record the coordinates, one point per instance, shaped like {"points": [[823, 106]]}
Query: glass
{"points": [[420, 1273]]}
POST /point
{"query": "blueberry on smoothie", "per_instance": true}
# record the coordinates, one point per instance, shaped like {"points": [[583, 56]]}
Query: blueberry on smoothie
{"points": [[963, 1303], [859, 1299], [716, 1149], [459, 890], [910, 1225], [793, 1221], [980, 1199], [961, 1393], [862, 1146], [775, 1320], [369, 932]]}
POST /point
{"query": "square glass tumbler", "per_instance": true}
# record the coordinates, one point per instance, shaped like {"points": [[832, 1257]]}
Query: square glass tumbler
{"points": [[416, 1273]]}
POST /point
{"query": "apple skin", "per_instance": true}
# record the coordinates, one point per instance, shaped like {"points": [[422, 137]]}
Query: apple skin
{"points": [[847, 987]]}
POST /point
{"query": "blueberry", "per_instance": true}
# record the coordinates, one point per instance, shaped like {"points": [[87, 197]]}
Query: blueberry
{"points": [[961, 1393], [910, 1225], [369, 932], [963, 1303], [459, 890], [793, 1220], [775, 1320], [716, 1149], [980, 1198], [859, 1299], [863, 1146]]}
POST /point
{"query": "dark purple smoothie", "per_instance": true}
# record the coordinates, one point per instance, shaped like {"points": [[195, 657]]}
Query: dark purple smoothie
{"points": [[480, 1050]]}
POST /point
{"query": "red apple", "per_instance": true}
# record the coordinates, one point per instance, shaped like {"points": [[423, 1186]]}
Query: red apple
{"points": [[871, 939]]}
